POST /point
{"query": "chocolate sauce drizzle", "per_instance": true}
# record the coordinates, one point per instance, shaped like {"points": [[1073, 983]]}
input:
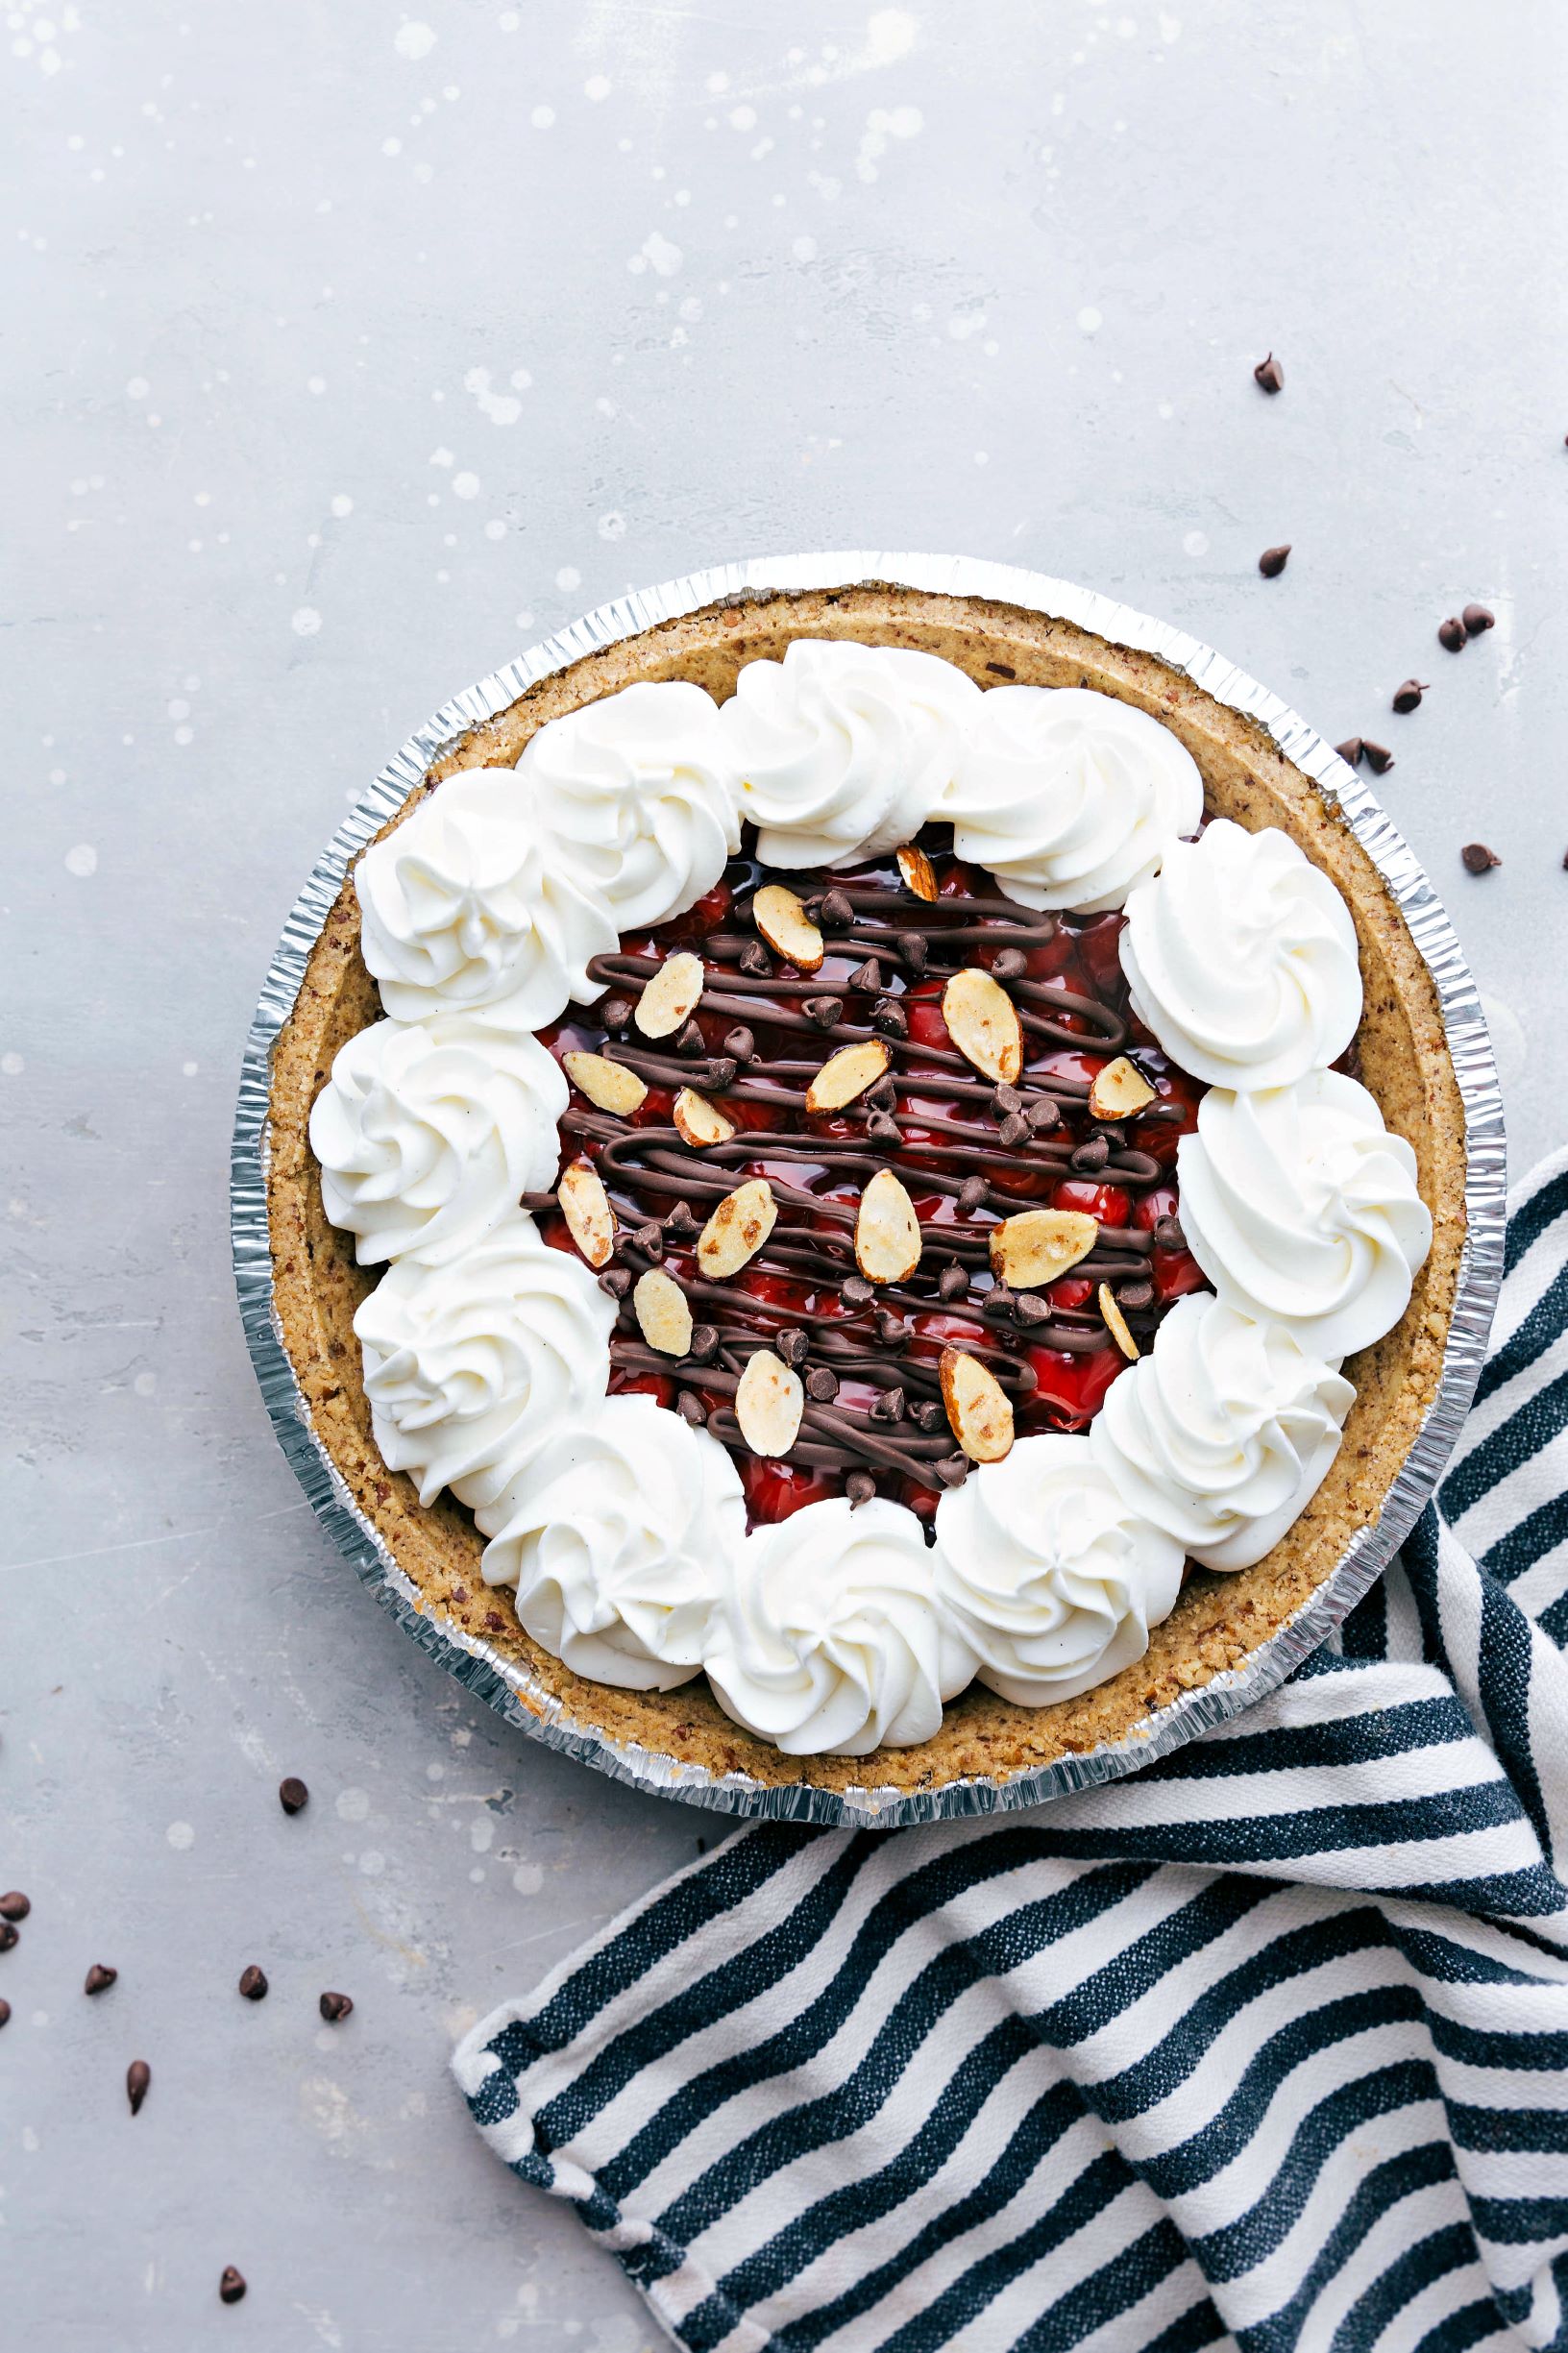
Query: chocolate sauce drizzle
{"points": [[881, 941]]}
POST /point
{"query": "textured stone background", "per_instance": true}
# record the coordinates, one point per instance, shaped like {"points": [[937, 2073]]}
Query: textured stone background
{"points": [[347, 351]]}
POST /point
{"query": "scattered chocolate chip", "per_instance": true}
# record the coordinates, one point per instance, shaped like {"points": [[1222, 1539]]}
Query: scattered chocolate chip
{"points": [[915, 951], [1009, 964], [1407, 698], [823, 1011], [649, 1240], [1351, 751], [704, 1344], [882, 1097], [882, 1128], [231, 2286], [1269, 375], [999, 1304], [1092, 1155], [1451, 634], [1168, 1234], [926, 1414], [755, 962], [860, 1488], [1476, 618], [1006, 1098], [15, 1906], [1135, 1295], [1014, 1131], [970, 1195], [10, 1935], [953, 1469], [794, 1347], [741, 910], [856, 1291], [334, 2007], [292, 1795], [1030, 1310], [952, 1283], [138, 2081], [740, 1042], [1273, 560], [493, 1621], [889, 1329], [812, 908], [616, 1280], [1379, 758], [890, 1018], [99, 1979], [460, 1593], [5, 2013], [867, 975], [1001, 670], [252, 1983], [722, 1072], [681, 1221], [690, 1410], [889, 1406], [837, 913], [821, 1385], [1045, 1112], [691, 1040], [616, 1012], [1478, 858]]}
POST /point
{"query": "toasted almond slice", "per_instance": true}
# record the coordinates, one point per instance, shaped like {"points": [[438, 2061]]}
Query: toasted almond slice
{"points": [[847, 1073], [585, 1206], [784, 923], [671, 996], [1038, 1245], [1119, 1091], [977, 1406], [919, 874], [887, 1230], [983, 1023], [663, 1312], [1115, 1323], [609, 1086], [737, 1230], [700, 1121], [768, 1402]]}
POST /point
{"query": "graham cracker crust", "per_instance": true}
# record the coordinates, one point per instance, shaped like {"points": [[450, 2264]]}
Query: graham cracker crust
{"points": [[1219, 1621]]}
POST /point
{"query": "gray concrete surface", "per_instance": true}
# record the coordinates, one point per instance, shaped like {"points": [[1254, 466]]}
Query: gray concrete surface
{"points": [[347, 350]]}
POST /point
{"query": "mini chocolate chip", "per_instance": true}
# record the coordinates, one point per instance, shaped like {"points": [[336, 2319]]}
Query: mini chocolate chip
{"points": [[616, 1280], [823, 1011], [1477, 617], [649, 1240], [867, 975], [10, 1935], [1379, 758], [889, 1329], [680, 1220], [1114, 1136], [926, 1414], [1001, 670], [1168, 1234], [822, 1385], [882, 1097], [334, 2007], [952, 1283], [1045, 1112], [856, 1291], [889, 1406], [5, 2013], [99, 1979], [1031, 1310], [1269, 375], [1009, 964], [915, 951], [999, 1304], [1092, 1155], [231, 2286], [690, 1408], [1407, 698], [836, 910], [15, 1906], [1351, 751], [616, 1012], [252, 1983], [860, 1488], [1273, 560], [890, 1018], [292, 1795], [953, 1469], [704, 1342], [1006, 1098], [1451, 634], [741, 910], [691, 1040], [138, 2082], [812, 908], [1135, 1295], [755, 961], [1014, 1130], [971, 1194], [794, 1347], [1478, 858], [740, 1042], [884, 1129], [722, 1072]]}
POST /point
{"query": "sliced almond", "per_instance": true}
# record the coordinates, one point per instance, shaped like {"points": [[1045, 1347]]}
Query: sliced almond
{"points": [[1038, 1245], [977, 1405], [737, 1230], [983, 1023], [700, 1121], [609, 1086], [847, 1073], [768, 1402], [919, 874], [784, 923], [671, 997], [663, 1312], [887, 1230], [1119, 1091], [1115, 1323], [586, 1208]]}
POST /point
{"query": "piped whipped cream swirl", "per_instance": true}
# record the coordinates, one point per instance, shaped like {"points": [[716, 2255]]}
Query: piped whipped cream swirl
{"points": [[829, 1640], [638, 794], [471, 1369], [467, 905], [1050, 1573], [1223, 1434], [617, 1539], [429, 1134], [1240, 957], [1070, 797], [843, 750], [1301, 1206]]}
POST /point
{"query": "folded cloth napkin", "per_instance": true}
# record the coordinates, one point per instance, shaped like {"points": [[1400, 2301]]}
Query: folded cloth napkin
{"points": [[1265, 2047]]}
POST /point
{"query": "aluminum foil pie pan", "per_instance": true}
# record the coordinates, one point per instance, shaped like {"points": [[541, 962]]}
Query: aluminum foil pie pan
{"points": [[503, 1684]]}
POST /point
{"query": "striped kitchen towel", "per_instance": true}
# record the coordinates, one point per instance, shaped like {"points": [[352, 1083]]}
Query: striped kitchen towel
{"points": [[1267, 2047]]}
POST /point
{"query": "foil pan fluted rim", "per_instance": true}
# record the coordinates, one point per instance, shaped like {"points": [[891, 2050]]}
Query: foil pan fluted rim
{"points": [[503, 1684]]}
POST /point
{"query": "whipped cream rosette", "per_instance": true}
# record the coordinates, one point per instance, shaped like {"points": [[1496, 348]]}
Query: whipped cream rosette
{"points": [[471, 1367], [617, 1538], [429, 1132], [1069, 799], [1301, 1206]]}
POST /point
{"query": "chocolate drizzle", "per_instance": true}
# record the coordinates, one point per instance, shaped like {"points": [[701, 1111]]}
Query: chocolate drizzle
{"points": [[968, 1152]]}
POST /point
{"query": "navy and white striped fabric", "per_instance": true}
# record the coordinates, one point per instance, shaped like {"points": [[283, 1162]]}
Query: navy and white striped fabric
{"points": [[1264, 2047]]}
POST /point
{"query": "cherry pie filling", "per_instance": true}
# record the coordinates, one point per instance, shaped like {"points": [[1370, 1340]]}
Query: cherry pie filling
{"points": [[970, 1153]]}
